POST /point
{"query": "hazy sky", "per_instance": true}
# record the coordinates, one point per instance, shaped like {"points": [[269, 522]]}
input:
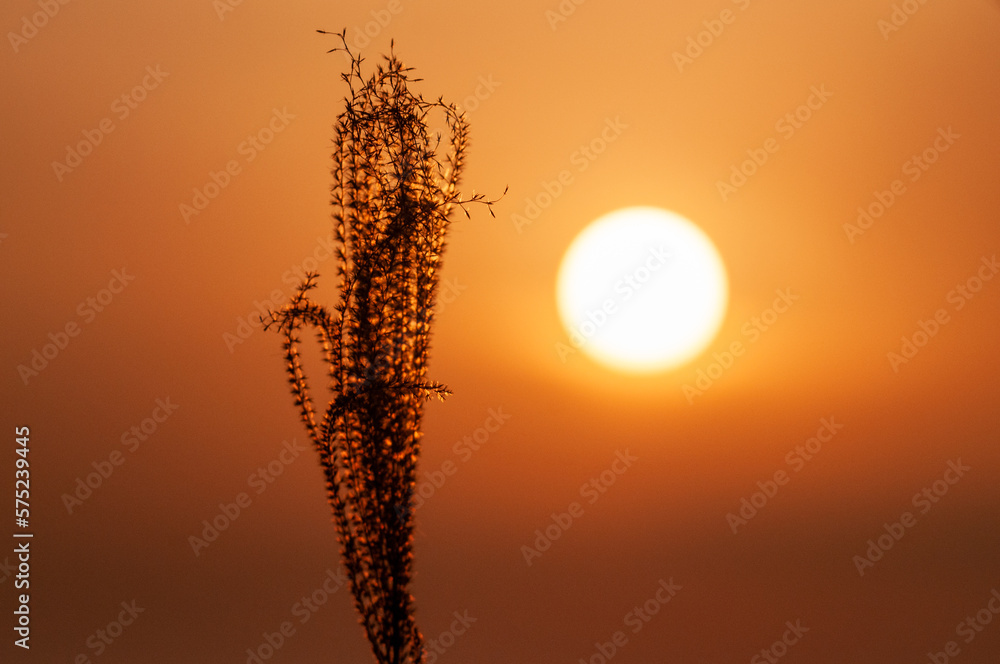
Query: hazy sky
{"points": [[829, 496]]}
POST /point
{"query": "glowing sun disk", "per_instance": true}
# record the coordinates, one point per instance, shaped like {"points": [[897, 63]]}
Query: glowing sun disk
{"points": [[642, 290]]}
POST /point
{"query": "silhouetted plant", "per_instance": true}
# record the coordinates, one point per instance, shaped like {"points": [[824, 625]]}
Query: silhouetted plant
{"points": [[392, 198]]}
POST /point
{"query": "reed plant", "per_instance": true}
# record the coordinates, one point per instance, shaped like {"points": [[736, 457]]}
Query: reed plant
{"points": [[395, 187]]}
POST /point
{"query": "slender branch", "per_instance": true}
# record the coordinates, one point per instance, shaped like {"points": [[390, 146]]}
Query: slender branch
{"points": [[392, 196]]}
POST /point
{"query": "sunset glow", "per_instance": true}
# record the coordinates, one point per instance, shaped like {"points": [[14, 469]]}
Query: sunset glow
{"points": [[717, 338]]}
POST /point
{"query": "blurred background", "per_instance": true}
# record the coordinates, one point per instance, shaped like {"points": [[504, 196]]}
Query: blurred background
{"points": [[166, 176]]}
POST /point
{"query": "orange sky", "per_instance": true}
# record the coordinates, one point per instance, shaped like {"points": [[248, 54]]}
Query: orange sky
{"points": [[154, 296]]}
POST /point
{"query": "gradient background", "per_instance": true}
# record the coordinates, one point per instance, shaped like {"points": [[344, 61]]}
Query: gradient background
{"points": [[164, 335]]}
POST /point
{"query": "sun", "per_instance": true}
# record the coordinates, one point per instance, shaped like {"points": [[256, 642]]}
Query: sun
{"points": [[642, 290]]}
